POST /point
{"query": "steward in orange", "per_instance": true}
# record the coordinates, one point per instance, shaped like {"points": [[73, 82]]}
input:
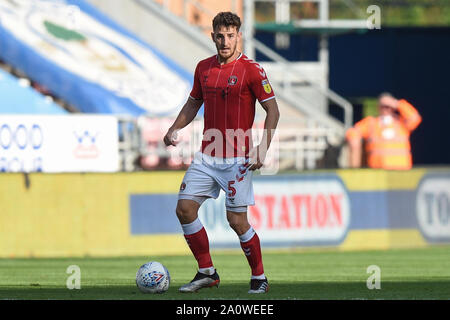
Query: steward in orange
{"points": [[386, 137]]}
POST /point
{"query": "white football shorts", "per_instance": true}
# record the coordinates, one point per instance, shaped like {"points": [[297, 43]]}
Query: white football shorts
{"points": [[207, 175]]}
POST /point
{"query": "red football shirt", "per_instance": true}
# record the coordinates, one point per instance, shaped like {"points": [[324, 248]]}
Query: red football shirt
{"points": [[229, 93]]}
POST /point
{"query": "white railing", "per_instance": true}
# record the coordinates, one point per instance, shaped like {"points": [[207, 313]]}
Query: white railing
{"points": [[129, 143], [295, 146], [299, 149]]}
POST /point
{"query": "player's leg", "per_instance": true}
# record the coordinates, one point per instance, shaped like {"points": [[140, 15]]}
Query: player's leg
{"points": [[238, 187], [250, 244], [195, 233], [197, 239], [197, 186]]}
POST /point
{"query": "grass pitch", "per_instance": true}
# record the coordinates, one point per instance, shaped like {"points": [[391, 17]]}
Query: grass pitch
{"points": [[405, 274]]}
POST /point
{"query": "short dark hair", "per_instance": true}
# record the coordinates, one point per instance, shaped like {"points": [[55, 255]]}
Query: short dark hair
{"points": [[226, 19]]}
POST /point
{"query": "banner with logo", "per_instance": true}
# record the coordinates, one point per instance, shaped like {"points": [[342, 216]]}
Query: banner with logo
{"points": [[433, 207], [59, 144], [88, 60], [357, 209], [308, 210]]}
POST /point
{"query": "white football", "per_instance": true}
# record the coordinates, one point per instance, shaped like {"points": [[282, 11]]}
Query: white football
{"points": [[153, 277]]}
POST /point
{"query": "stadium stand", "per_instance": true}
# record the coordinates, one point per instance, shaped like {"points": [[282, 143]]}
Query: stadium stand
{"points": [[96, 65], [19, 97], [83, 54], [302, 88]]}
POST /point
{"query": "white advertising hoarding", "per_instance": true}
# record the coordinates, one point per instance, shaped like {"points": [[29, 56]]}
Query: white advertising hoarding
{"points": [[73, 143]]}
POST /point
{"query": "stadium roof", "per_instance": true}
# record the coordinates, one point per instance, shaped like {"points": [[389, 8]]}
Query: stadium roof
{"points": [[315, 27]]}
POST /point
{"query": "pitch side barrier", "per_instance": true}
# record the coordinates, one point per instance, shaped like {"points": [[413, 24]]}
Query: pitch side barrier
{"points": [[115, 214]]}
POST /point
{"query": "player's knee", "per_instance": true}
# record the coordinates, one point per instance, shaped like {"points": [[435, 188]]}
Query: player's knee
{"points": [[182, 212], [239, 225], [185, 212], [233, 224]]}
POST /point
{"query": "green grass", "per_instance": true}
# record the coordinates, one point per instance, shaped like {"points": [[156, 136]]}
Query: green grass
{"points": [[405, 274]]}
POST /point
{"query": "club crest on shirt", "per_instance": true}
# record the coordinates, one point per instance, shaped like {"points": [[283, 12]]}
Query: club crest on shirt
{"points": [[266, 85], [183, 186], [232, 80]]}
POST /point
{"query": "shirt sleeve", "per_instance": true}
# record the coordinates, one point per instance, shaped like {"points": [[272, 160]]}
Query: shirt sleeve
{"points": [[360, 130], [259, 84], [196, 92], [410, 114]]}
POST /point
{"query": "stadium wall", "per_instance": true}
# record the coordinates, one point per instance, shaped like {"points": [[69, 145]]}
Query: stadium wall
{"points": [[103, 214]]}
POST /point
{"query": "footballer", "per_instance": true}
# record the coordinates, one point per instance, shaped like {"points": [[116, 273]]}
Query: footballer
{"points": [[228, 84]]}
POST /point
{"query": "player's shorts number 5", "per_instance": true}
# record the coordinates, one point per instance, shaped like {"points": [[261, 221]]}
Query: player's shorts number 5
{"points": [[232, 190]]}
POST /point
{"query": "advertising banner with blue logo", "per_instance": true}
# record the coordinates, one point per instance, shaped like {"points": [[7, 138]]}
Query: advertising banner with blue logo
{"points": [[350, 209], [433, 207], [292, 212], [134, 213], [88, 60], [58, 143]]}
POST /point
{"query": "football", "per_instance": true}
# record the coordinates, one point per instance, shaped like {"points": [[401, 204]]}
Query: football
{"points": [[153, 277]]}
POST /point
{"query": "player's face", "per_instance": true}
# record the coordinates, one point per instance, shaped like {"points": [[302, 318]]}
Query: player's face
{"points": [[226, 40]]}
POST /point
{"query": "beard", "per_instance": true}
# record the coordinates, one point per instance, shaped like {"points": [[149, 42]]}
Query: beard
{"points": [[226, 54]]}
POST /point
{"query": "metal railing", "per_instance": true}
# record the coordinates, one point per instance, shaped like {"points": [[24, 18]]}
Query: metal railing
{"points": [[287, 89], [130, 140], [287, 85], [294, 147]]}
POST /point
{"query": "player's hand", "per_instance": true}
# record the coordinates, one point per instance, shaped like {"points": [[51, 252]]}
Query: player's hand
{"points": [[170, 139], [257, 156]]}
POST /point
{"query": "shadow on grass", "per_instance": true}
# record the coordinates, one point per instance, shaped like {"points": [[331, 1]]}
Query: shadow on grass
{"points": [[299, 290]]}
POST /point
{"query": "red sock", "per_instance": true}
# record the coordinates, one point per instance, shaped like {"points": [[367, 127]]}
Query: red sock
{"points": [[252, 250], [199, 244]]}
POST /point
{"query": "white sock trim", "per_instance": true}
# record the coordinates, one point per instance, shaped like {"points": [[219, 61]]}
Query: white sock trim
{"points": [[260, 277], [209, 271], [248, 235], [193, 227]]}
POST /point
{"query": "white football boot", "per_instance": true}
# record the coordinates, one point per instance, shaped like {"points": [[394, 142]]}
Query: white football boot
{"points": [[200, 281]]}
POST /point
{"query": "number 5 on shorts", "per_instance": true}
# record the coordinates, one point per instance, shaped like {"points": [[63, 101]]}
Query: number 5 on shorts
{"points": [[232, 190]]}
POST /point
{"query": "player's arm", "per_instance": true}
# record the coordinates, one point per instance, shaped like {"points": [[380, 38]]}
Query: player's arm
{"points": [[186, 115], [270, 124], [188, 112], [262, 90]]}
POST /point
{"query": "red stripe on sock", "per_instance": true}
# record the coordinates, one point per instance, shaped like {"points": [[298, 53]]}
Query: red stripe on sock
{"points": [[199, 244], [252, 250]]}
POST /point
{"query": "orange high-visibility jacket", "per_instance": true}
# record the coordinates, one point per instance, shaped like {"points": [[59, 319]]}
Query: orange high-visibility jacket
{"points": [[387, 144]]}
